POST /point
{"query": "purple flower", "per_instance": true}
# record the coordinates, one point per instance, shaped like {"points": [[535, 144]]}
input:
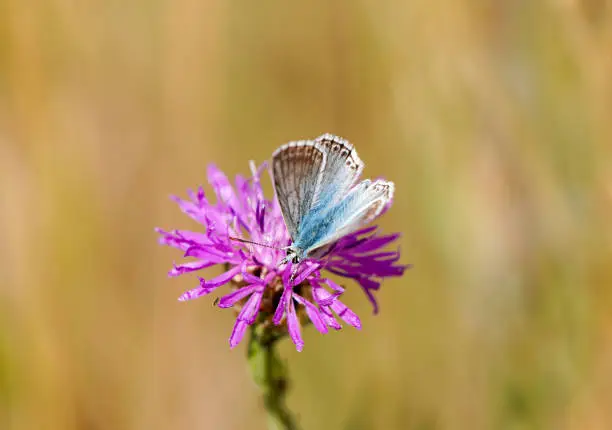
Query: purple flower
{"points": [[261, 290]]}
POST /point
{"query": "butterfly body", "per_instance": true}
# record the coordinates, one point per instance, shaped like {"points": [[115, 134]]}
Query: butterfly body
{"points": [[321, 201]]}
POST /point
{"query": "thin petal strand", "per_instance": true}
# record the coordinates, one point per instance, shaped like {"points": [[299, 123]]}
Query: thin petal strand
{"points": [[293, 325]]}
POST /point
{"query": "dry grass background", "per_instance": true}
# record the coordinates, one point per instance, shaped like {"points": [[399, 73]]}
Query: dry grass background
{"points": [[493, 118]]}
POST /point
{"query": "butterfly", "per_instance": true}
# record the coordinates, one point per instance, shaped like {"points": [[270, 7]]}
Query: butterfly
{"points": [[316, 183]]}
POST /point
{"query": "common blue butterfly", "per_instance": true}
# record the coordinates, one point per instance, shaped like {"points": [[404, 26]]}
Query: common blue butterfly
{"points": [[320, 199]]}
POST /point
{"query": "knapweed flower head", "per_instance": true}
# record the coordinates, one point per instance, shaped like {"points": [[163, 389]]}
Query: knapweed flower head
{"points": [[261, 290]]}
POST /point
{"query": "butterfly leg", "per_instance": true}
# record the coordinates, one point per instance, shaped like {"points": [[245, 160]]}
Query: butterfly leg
{"points": [[285, 260]]}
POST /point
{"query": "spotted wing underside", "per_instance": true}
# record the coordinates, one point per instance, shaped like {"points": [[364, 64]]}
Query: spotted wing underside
{"points": [[342, 169], [296, 168]]}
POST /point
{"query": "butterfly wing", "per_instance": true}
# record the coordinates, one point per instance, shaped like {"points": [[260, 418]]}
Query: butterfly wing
{"points": [[361, 205], [296, 168], [342, 169]]}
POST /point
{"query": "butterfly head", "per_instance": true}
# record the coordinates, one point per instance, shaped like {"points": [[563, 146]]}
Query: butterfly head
{"points": [[294, 255]]}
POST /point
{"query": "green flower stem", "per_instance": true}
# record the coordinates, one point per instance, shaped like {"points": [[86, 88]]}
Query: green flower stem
{"points": [[270, 374]]}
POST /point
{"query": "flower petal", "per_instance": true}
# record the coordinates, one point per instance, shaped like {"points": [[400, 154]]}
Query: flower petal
{"points": [[293, 326], [280, 308], [313, 313], [329, 319], [258, 190], [354, 239], [375, 242], [247, 316], [222, 186], [181, 239], [208, 252], [195, 293], [333, 285], [368, 286], [251, 307], [191, 266], [305, 273], [191, 209], [347, 315], [206, 287], [322, 296], [223, 278], [231, 299], [248, 277], [237, 333]]}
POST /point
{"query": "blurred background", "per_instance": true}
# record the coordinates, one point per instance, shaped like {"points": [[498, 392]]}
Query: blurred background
{"points": [[493, 118]]}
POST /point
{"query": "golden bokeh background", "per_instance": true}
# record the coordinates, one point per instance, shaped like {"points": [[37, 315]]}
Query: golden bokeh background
{"points": [[493, 118]]}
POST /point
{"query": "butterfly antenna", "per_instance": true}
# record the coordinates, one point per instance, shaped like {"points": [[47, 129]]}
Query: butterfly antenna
{"points": [[237, 239]]}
